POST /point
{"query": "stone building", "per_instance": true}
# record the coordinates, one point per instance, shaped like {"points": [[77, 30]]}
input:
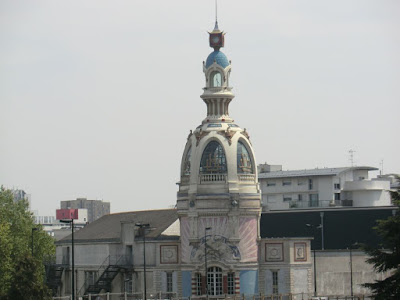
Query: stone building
{"points": [[216, 241]]}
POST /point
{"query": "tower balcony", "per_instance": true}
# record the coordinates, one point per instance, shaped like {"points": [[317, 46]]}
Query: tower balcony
{"points": [[212, 178], [247, 178]]}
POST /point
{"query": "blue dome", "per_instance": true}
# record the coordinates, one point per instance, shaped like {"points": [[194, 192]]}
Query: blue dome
{"points": [[219, 58]]}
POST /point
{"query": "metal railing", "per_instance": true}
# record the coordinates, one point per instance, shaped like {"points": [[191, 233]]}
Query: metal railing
{"points": [[319, 203], [111, 260]]}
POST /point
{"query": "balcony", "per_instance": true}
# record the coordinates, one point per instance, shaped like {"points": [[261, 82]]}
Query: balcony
{"points": [[247, 178], [212, 178], [320, 203]]}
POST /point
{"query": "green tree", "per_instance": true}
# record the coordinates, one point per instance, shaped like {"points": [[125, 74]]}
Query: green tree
{"points": [[387, 257], [18, 266]]}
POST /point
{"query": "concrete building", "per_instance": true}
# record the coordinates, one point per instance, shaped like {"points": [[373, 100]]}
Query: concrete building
{"points": [[326, 187], [21, 195], [95, 208]]}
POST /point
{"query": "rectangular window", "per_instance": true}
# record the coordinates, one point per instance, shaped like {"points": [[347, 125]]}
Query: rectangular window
{"points": [[198, 284], [90, 277], [301, 182], [337, 196], [275, 287], [271, 183], [169, 282], [313, 200], [128, 283], [286, 182], [231, 283], [300, 197], [310, 184], [287, 198], [336, 186]]}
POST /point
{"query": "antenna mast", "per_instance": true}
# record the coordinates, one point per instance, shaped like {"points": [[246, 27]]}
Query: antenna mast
{"points": [[351, 158]]}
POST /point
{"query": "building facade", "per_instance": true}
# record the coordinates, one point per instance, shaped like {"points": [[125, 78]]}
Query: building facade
{"points": [[317, 188], [216, 243], [95, 208]]}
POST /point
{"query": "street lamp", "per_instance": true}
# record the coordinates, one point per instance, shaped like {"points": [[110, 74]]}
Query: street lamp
{"points": [[71, 221], [315, 261], [351, 268], [143, 227], [205, 258], [33, 229]]}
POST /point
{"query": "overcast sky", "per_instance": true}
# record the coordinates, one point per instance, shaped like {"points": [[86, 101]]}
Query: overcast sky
{"points": [[97, 97]]}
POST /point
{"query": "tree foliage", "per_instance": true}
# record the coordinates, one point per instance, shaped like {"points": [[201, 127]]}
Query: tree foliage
{"points": [[387, 258], [21, 273]]}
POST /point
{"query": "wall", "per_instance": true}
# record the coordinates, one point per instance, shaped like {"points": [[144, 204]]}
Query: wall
{"points": [[333, 272]]}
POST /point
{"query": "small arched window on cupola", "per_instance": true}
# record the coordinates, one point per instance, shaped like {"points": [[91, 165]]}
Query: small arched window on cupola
{"points": [[244, 163], [215, 79], [213, 159], [186, 163]]}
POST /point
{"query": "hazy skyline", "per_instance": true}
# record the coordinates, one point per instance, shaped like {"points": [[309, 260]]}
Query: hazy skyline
{"points": [[98, 97]]}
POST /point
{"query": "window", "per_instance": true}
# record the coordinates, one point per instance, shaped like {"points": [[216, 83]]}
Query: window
{"points": [[186, 164], [337, 196], [287, 198], [244, 164], [310, 184], [214, 281], [313, 200], [213, 159], [128, 283], [300, 197], [275, 287], [90, 277], [231, 283], [169, 282], [216, 79], [198, 284], [300, 182], [336, 186], [271, 183], [286, 182]]}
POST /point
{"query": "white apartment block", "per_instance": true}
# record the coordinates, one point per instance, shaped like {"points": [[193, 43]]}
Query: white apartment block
{"points": [[326, 187]]}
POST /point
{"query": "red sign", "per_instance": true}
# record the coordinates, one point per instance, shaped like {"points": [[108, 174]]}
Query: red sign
{"points": [[67, 214]]}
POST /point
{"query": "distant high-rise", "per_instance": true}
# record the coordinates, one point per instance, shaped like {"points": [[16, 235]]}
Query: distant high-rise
{"points": [[95, 208], [21, 195]]}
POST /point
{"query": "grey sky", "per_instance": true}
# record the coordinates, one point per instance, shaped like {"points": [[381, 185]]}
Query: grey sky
{"points": [[97, 97]]}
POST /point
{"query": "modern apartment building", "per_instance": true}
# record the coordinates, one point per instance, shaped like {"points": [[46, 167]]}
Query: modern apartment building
{"points": [[326, 187]]}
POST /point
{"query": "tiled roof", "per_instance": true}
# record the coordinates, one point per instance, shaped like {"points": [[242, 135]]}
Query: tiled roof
{"points": [[108, 227], [219, 57], [311, 172]]}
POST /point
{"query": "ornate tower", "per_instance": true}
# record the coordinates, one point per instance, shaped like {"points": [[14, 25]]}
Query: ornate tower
{"points": [[219, 197]]}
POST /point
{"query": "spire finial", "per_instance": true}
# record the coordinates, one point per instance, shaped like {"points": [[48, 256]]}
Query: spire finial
{"points": [[216, 16]]}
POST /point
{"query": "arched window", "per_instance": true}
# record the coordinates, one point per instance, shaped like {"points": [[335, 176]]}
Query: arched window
{"points": [[216, 79], [244, 164], [213, 159], [186, 163], [214, 281]]}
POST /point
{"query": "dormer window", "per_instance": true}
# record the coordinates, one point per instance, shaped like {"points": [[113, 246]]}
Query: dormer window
{"points": [[216, 79], [244, 164]]}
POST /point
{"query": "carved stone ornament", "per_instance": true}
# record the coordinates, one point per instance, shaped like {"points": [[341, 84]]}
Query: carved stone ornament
{"points": [[227, 134], [246, 134], [190, 134], [199, 135]]}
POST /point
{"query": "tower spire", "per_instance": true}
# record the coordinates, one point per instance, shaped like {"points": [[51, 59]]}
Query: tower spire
{"points": [[216, 16]]}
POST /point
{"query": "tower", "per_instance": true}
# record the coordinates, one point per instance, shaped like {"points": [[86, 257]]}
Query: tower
{"points": [[218, 200]]}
